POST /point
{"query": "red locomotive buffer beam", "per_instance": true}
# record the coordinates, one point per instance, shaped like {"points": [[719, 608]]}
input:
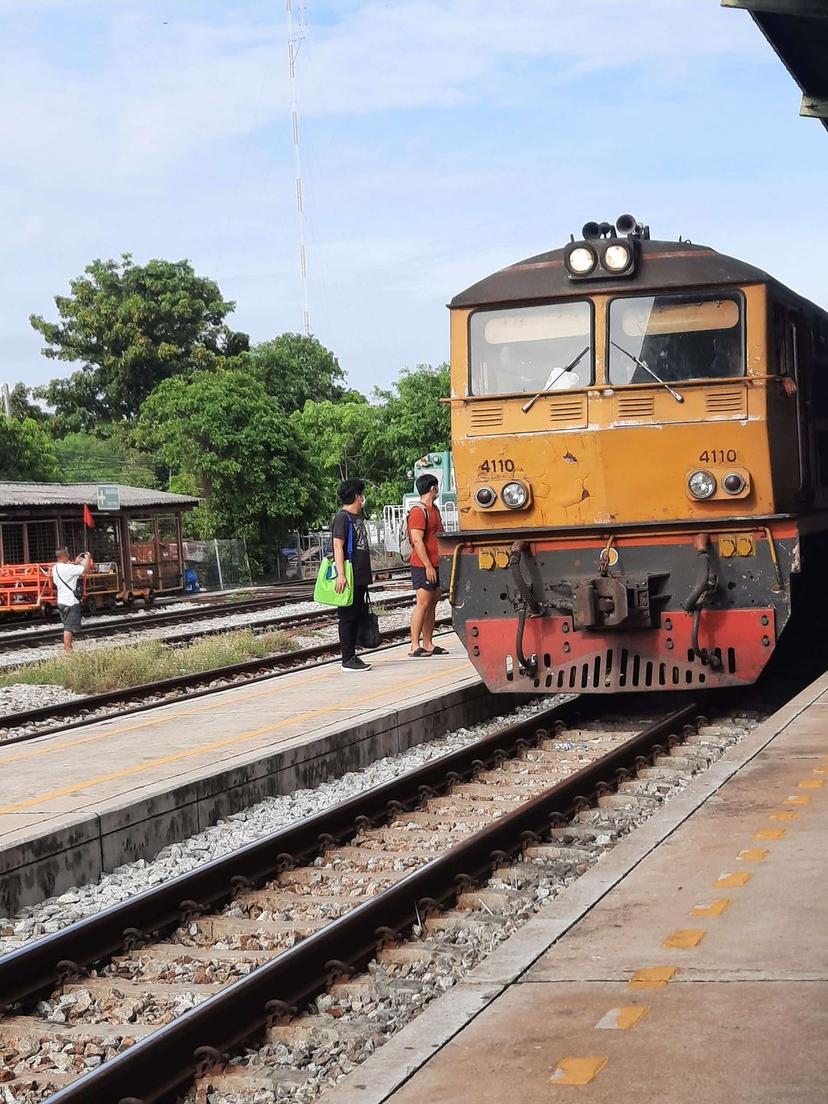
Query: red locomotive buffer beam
{"points": [[740, 643]]}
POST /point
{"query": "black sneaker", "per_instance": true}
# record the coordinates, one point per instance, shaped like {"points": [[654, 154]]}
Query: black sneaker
{"points": [[355, 664]]}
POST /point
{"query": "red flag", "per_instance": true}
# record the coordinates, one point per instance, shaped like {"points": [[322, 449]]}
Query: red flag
{"points": [[88, 520]]}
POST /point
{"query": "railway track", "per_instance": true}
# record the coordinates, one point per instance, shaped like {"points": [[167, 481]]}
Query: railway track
{"points": [[49, 719], [130, 624], [152, 997]]}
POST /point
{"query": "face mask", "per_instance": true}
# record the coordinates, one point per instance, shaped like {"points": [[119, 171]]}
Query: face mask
{"points": [[364, 502]]}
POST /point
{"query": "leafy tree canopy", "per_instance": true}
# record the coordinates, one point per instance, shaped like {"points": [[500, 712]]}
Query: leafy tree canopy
{"points": [[377, 441], [26, 451], [230, 442], [414, 422], [130, 327], [86, 458], [23, 407], [294, 369]]}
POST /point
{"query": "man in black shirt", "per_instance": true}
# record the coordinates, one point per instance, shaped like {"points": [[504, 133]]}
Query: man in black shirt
{"points": [[350, 542]]}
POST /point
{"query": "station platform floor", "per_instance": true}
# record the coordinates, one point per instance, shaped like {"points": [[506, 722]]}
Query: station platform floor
{"points": [[85, 800], [690, 964]]}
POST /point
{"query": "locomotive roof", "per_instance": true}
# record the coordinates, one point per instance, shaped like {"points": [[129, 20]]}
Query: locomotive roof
{"points": [[661, 264]]}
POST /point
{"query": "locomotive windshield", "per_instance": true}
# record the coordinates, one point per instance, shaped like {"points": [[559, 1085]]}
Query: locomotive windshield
{"points": [[678, 337], [531, 349]]}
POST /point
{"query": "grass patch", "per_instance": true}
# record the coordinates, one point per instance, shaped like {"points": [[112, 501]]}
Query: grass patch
{"points": [[95, 672], [239, 596]]}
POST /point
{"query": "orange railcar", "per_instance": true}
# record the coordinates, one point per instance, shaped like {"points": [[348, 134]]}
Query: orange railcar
{"points": [[28, 590]]}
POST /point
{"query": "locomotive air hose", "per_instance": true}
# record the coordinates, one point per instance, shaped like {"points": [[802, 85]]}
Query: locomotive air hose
{"points": [[516, 553], [530, 666]]}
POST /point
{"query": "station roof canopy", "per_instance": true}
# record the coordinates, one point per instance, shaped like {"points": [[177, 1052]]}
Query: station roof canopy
{"points": [[798, 32], [80, 494]]}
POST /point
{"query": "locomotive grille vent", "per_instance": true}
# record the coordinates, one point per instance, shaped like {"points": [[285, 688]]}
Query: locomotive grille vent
{"points": [[726, 402], [568, 410], [620, 668], [486, 416], [635, 406]]}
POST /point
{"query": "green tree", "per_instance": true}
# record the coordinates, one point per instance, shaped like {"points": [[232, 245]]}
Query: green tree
{"points": [[294, 369], [26, 451], [377, 441], [227, 440], [86, 458], [415, 422], [130, 327], [344, 438], [23, 407]]}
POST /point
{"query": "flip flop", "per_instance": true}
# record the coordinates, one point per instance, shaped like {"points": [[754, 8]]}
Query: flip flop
{"points": [[418, 653], [438, 651]]}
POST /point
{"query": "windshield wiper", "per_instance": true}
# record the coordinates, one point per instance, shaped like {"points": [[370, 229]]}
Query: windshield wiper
{"points": [[643, 364], [553, 378]]}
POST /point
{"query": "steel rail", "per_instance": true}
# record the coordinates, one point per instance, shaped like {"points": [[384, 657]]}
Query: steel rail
{"points": [[259, 669], [285, 620], [24, 972], [21, 640], [203, 607], [187, 1047]]}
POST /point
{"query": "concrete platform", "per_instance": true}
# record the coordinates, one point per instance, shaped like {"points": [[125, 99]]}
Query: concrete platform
{"points": [[78, 803], [691, 964]]}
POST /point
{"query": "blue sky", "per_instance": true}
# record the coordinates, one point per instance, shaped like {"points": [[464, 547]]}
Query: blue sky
{"points": [[441, 140]]}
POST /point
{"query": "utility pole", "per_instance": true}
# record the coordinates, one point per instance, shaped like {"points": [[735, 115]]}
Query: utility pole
{"points": [[296, 36], [6, 399]]}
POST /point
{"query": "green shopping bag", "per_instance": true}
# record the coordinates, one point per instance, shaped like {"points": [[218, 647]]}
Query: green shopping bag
{"points": [[324, 591]]}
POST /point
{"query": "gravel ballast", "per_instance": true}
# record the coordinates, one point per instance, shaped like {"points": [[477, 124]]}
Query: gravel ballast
{"points": [[234, 832]]}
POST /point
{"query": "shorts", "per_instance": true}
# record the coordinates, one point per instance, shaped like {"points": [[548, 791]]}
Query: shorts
{"points": [[71, 617], [419, 580]]}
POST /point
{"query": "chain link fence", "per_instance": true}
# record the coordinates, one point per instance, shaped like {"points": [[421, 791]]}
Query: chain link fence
{"points": [[219, 564]]}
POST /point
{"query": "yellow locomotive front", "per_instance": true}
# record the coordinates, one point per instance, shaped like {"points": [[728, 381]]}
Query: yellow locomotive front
{"points": [[635, 447]]}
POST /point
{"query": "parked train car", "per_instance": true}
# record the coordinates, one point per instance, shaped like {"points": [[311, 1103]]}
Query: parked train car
{"points": [[640, 439]]}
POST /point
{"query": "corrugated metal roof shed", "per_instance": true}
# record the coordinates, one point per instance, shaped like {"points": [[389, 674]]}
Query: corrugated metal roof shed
{"points": [[78, 494], [798, 32]]}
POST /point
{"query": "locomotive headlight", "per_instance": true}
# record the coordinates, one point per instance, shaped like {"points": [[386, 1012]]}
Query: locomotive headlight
{"points": [[733, 483], [701, 484], [484, 496], [617, 257], [581, 260], [514, 495]]}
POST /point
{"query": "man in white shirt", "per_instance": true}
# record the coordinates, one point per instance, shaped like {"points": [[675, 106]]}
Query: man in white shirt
{"points": [[66, 576]]}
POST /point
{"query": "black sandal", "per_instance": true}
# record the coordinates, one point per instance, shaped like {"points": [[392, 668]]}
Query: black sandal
{"points": [[418, 653], [436, 650]]}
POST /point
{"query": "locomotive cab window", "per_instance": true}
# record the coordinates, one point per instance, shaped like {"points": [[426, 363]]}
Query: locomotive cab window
{"points": [[531, 349], [675, 338]]}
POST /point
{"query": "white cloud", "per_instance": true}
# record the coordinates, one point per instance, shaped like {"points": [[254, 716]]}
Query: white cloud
{"points": [[161, 90]]}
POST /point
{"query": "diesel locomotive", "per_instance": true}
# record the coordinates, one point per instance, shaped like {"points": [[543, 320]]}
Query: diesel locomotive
{"points": [[640, 440]]}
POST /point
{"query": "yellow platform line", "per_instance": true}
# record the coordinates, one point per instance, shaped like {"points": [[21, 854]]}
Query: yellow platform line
{"points": [[146, 722], [215, 745], [278, 686]]}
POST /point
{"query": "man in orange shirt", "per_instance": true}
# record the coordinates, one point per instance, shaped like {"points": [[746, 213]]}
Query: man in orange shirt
{"points": [[424, 525]]}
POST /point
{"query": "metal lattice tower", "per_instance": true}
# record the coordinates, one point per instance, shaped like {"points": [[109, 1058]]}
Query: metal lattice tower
{"points": [[296, 36]]}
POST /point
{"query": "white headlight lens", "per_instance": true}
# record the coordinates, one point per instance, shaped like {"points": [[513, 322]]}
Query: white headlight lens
{"points": [[702, 484], [617, 257], [514, 495], [581, 260]]}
